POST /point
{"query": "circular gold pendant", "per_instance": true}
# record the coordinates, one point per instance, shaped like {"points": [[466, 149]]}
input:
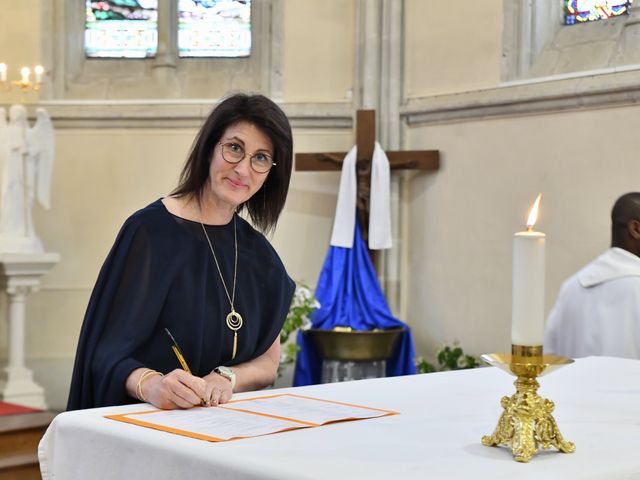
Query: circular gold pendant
{"points": [[234, 321]]}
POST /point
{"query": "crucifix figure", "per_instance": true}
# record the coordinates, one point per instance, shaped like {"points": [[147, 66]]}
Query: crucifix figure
{"points": [[365, 141]]}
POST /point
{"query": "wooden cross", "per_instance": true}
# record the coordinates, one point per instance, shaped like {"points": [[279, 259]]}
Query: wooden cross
{"points": [[365, 141]]}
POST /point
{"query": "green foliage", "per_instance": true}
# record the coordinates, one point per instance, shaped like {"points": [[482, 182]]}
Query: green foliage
{"points": [[453, 358], [302, 306], [422, 366], [289, 352], [449, 357]]}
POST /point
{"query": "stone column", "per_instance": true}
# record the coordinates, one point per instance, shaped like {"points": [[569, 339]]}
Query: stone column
{"points": [[390, 139], [378, 82], [367, 77], [20, 275], [165, 63]]}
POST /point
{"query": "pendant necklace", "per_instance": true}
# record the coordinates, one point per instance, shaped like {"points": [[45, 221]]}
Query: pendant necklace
{"points": [[234, 319]]}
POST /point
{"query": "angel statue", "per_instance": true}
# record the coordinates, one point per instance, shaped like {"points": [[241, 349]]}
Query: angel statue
{"points": [[26, 166]]}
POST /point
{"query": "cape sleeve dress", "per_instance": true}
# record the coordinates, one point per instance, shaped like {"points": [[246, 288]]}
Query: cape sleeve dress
{"points": [[159, 274]]}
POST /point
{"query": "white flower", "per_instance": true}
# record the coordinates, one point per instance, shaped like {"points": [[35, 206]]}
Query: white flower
{"points": [[306, 323], [302, 304], [305, 293]]}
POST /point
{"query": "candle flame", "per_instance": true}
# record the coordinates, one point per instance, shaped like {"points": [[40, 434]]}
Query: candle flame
{"points": [[39, 71], [533, 214], [25, 72]]}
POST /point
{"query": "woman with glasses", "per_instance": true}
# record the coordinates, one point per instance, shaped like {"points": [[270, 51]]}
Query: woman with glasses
{"points": [[189, 304]]}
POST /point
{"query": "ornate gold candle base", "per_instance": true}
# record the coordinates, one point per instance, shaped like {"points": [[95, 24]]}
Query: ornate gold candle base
{"points": [[526, 422]]}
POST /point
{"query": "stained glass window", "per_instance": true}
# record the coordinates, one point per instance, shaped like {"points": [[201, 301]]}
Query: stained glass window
{"points": [[121, 28], [214, 28], [579, 11]]}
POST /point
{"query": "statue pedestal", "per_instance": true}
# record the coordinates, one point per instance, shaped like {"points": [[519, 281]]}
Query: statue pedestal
{"points": [[20, 275]]}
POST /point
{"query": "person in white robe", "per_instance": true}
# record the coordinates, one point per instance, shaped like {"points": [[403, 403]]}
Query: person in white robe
{"points": [[598, 309]]}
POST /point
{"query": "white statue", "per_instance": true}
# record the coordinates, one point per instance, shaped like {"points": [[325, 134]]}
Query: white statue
{"points": [[26, 166]]}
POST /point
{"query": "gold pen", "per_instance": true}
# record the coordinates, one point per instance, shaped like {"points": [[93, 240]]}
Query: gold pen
{"points": [[183, 362]]}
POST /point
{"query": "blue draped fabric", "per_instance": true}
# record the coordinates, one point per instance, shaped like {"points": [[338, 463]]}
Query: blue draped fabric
{"points": [[350, 296]]}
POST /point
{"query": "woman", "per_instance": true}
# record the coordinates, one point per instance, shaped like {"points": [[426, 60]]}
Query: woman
{"points": [[188, 266]]}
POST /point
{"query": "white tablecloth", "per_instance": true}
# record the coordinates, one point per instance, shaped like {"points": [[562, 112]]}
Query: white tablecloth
{"points": [[437, 434]]}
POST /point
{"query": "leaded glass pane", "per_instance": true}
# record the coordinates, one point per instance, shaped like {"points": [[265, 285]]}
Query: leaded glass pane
{"points": [[121, 28], [578, 11], [214, 28]]}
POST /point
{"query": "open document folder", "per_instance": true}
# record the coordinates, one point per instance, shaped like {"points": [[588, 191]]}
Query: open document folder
{"points": [[250, 417]]}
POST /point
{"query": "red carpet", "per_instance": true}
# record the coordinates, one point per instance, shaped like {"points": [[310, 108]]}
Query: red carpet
{"points": [[13, 409]]}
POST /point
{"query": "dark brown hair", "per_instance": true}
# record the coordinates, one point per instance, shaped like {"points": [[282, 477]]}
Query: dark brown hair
{"points": [[626, 209], [265, 206]]}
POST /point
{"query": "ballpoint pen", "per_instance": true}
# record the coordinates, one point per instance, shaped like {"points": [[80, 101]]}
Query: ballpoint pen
{"points": [[183, 362]]}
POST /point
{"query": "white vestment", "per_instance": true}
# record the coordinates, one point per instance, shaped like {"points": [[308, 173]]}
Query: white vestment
{"points": [[598, 310]]}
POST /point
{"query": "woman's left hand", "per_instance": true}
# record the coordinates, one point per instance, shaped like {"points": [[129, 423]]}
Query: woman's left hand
{"points": [[218, 389], [252, 375]]}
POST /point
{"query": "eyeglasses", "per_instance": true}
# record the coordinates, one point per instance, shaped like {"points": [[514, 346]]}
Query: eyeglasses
{"points": [[233, 152]]}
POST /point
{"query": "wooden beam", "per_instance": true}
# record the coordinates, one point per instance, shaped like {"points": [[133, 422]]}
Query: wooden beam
{"points": [[365, 134], [319, 162], [365, 142], [403, 159], [414, 160]]}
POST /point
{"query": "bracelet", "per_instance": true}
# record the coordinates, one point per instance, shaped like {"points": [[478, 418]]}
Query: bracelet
{"points": [[146, 374]]}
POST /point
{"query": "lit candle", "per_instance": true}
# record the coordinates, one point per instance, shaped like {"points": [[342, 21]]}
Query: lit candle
{"points": [[527, 318], [25, 72], [3, 72], [39, 71]]}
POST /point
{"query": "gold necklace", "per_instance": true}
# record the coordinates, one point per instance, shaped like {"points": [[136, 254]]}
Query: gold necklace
{"points": [[234, 319]]}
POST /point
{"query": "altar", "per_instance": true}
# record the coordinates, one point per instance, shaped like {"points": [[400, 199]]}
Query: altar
{"points": [[437, 434]]}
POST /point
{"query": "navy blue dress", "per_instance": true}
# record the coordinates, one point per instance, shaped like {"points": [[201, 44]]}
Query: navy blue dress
{"points": [[160, 274]]}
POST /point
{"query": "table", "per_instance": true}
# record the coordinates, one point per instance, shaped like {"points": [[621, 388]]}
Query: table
{"points": [[437, 435]]}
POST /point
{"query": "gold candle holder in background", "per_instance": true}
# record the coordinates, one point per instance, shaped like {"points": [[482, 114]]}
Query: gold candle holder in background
{"points": [[24, 84], [526, 422]]}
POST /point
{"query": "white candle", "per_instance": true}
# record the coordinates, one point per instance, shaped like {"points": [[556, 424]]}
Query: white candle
{"points": [[3, 72], [527, 318], [38, 70], [25, 72]]}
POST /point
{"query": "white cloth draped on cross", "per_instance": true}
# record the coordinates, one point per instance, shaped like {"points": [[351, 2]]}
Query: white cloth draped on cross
{"points": [[379, 205]]}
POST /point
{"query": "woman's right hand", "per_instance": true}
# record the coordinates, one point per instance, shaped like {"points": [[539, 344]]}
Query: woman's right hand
{"points": [[177, 389]]}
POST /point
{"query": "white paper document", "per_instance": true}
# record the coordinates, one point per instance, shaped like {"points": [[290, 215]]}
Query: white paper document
{"points": [[250, 417], [314, 411]]}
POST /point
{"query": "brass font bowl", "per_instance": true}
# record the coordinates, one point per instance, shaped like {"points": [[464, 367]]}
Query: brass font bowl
{"points": [[355, 345]]}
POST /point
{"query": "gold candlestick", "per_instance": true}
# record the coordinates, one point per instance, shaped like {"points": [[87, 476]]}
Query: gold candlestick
{"points": [[25, 85], [526, 422]]}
